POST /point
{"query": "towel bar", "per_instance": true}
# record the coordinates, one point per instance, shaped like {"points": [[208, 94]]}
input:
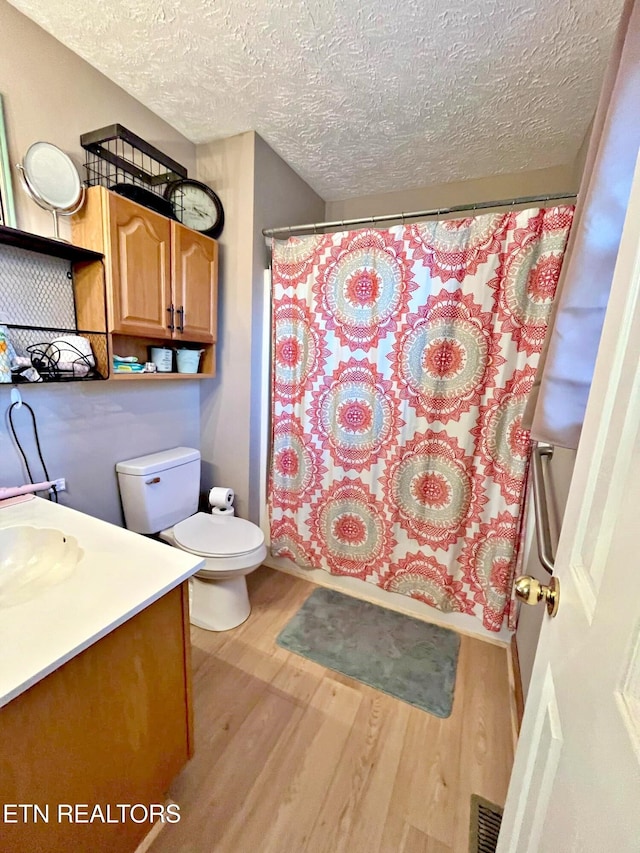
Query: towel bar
{"points": [[540, 505]]}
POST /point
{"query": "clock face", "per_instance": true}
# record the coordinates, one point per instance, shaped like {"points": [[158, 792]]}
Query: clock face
{"points": [[198, 210], [196, 206]]}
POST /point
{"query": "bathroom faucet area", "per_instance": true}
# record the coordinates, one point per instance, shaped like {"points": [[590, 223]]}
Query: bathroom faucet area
{"points": [[90, 578]]}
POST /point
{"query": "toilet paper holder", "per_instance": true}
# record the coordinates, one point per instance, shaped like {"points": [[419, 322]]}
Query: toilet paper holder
{"points": [[223, 511]]}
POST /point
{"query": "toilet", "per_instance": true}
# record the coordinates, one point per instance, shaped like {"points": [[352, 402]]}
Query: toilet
{"points": [[160, 494]]}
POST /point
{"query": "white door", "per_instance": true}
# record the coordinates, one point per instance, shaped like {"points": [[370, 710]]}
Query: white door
{"points": [[576, 778]]}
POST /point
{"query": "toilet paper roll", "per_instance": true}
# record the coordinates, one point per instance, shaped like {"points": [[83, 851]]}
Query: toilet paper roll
{"points": [[223, 510], [221, 497]]}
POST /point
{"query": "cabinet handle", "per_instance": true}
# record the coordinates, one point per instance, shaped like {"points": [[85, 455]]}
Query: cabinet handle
{"points": [[181, 318], [170, 325]]}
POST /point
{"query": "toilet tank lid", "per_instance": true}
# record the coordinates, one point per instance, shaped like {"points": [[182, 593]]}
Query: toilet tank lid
{"points": [[152, 463]]}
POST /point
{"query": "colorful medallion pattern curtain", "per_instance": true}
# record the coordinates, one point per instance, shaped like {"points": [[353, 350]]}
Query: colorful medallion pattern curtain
{"points": [[402, 362]]}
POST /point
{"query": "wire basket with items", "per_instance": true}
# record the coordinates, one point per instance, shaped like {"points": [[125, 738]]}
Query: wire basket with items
{"points": [[36, 355], [67, 357], [120, 160]]}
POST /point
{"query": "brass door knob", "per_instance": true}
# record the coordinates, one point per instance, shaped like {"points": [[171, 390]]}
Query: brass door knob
{"points": [[531, 591]]}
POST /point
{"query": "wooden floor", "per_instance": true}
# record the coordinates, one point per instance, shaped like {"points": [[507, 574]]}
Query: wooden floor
{"points": [[292, 757]]}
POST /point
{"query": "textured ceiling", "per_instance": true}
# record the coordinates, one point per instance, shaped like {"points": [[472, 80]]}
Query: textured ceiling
{"points": [[359, 96]]}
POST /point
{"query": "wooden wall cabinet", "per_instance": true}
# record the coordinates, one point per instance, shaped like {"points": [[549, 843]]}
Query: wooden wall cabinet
{"points": [[139, 279], [161, 278], [194, 261]]}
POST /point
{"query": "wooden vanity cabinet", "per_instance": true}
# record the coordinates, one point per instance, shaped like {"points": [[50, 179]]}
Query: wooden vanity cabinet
{"points": [[161, 277], [112, 726]]}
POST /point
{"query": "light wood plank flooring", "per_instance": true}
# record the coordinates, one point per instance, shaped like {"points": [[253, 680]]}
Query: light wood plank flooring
{"points": [[292, 757]]}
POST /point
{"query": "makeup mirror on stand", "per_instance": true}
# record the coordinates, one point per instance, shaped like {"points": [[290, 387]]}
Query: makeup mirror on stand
{"points": [[49, 176]]}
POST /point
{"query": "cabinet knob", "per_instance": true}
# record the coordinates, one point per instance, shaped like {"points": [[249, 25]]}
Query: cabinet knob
{"points": [[171, 312], [181, 318]]}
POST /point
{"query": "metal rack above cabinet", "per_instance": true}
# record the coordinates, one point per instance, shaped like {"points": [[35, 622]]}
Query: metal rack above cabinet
{"points": [[120, 160]]}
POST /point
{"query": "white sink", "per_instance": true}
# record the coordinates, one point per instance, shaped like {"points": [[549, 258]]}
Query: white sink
{"points": [[68, 579], [33, 559]]}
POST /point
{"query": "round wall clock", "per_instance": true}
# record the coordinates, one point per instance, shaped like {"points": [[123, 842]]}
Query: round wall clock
{"points": [[196, 206]]}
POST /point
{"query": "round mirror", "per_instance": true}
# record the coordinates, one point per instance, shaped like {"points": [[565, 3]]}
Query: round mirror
{"points": [[51, 176]]}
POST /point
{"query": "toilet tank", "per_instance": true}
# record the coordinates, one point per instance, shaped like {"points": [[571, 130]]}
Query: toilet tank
{"points": [[160, 489]]}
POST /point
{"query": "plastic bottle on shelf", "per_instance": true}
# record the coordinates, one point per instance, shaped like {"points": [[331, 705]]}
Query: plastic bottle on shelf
{"points": [[5, 363]]}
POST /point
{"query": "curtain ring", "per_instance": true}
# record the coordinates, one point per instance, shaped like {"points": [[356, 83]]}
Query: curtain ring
{"points": [[403, 218]]}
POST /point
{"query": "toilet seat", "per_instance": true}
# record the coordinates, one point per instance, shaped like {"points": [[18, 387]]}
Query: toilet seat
{"points": [[215, 536]]}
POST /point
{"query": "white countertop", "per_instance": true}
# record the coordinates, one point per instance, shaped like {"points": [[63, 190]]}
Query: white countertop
{"points": [[119, 574]]}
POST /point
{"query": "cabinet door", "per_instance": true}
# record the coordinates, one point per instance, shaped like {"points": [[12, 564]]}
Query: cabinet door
{"points": [[195, 284], [113, 725], [140, 269]]}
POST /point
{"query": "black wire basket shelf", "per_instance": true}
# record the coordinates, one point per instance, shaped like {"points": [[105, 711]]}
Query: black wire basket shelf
{"points": [[120, 160], [47, 355]]}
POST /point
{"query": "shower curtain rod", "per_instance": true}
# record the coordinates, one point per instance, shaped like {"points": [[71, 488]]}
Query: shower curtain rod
{"points": [[438, 211]]}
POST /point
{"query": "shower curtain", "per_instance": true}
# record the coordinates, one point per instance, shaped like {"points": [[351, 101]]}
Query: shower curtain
{"points": [[402, 361]]}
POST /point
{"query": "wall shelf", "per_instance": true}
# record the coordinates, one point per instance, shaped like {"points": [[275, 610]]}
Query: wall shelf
{"points": [[42, 298], [46, 246], [60, 331], [33, 342], [157, 377]]}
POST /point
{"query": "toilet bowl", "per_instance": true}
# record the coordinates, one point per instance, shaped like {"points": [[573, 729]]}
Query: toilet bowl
{"points": [[218, 592], [159, 494]]}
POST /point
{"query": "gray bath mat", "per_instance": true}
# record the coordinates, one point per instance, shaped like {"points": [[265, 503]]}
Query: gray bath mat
{"points": [[400, 655]]}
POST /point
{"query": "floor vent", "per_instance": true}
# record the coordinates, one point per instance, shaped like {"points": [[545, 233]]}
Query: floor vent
{"points": [[486, 818]]}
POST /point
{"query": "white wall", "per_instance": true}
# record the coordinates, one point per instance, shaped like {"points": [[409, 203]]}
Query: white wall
{"points": [[258, 190], [51, 94], [427, 197], [227, 165], [85, 429], [281, 197]]}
